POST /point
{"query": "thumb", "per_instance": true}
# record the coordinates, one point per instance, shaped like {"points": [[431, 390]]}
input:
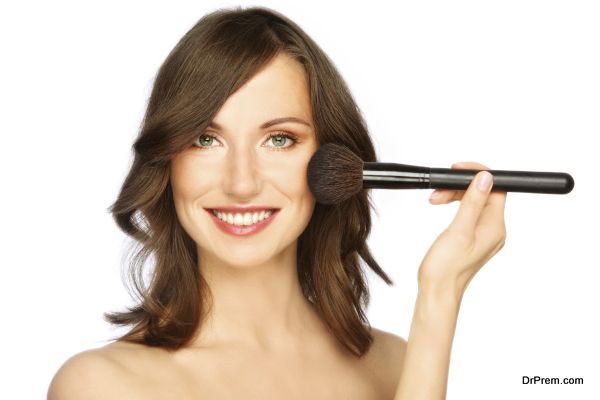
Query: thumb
{"points": [[473, 202]]}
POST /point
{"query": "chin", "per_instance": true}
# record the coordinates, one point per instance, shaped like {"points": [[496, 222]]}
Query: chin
{"points": [[247, 256], [245, 263]]}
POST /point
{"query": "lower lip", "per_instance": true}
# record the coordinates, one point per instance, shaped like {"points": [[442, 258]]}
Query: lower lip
{"points": [[243, 230]]}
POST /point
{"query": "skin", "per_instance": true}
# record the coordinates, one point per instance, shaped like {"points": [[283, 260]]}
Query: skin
{"points": [[263, 339]]}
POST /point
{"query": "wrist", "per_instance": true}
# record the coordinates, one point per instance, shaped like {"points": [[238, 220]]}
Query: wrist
{"points": [[449, 293]]}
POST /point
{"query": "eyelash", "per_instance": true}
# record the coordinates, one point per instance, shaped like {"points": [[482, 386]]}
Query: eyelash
{"points": [[284, 134]]}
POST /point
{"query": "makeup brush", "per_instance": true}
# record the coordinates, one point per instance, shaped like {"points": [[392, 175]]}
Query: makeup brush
{"points": [[335, 173]]}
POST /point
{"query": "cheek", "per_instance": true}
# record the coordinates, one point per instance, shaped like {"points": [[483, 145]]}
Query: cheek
{"points": [[189, 183], [188, 179], [289, 176]]}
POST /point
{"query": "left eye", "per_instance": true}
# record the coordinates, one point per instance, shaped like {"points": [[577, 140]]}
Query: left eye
{"points": [[280, 139]]}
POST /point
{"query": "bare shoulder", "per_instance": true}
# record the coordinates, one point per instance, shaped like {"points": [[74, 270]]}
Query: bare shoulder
{"points": [[96, 374], [386, 356], [388, 342]]}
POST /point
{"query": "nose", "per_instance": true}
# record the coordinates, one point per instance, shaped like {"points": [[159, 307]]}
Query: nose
{"points": [[241, 180]]}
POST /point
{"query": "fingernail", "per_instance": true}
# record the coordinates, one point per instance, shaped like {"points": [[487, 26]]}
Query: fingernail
{"points": [[485, 180], [434, 195]]}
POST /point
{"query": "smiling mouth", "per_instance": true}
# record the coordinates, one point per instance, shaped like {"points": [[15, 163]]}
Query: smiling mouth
{"points": [[242, 219], [243, 224]]}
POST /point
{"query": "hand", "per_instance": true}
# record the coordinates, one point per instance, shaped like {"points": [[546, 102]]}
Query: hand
{"points": [[475, 235]]}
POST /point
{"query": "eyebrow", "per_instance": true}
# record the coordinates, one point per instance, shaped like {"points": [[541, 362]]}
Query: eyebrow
{"points": [[267, 124]]}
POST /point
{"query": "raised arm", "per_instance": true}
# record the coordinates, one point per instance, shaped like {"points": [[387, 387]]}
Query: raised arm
{"points": [[475, 235]]}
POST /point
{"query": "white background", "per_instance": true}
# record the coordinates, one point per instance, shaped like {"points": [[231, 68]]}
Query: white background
{"points": [[511, 84]]}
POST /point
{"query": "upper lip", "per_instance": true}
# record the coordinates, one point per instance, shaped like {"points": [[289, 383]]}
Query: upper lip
{"points": [[242, 209]]}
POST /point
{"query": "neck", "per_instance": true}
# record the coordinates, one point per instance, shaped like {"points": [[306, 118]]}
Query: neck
{"points": [[261, 306]]}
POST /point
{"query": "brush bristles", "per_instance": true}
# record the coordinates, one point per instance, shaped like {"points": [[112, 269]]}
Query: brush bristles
{"points": [[334, 174]]}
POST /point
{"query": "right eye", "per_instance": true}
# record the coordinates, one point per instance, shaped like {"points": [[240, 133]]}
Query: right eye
{"points": [[205, 141]]}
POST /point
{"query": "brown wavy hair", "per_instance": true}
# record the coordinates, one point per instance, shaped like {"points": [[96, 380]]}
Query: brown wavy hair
{"points": [[221, 52]]}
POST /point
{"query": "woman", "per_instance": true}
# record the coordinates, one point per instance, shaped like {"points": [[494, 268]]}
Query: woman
{"points": [[257, 291]]}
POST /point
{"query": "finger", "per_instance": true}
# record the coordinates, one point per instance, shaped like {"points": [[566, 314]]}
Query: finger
{"points": [[492, 215], [472, 204], [442, 196]]}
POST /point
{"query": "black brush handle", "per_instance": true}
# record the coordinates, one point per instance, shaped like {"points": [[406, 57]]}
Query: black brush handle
{"points": [[505, 181], [403, 176]]}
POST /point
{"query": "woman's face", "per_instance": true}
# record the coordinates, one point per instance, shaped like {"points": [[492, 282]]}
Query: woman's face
{"points": [[244, 160]]}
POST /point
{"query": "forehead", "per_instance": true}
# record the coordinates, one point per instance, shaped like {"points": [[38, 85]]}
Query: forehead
{"points": [[279, 89]]}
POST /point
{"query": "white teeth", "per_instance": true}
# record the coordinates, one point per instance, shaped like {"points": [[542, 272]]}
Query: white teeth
{"points": [[244, 219], [238, 219]]}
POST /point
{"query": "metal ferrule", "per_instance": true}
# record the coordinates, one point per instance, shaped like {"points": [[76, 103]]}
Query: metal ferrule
{"points": [[395, 176]]}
